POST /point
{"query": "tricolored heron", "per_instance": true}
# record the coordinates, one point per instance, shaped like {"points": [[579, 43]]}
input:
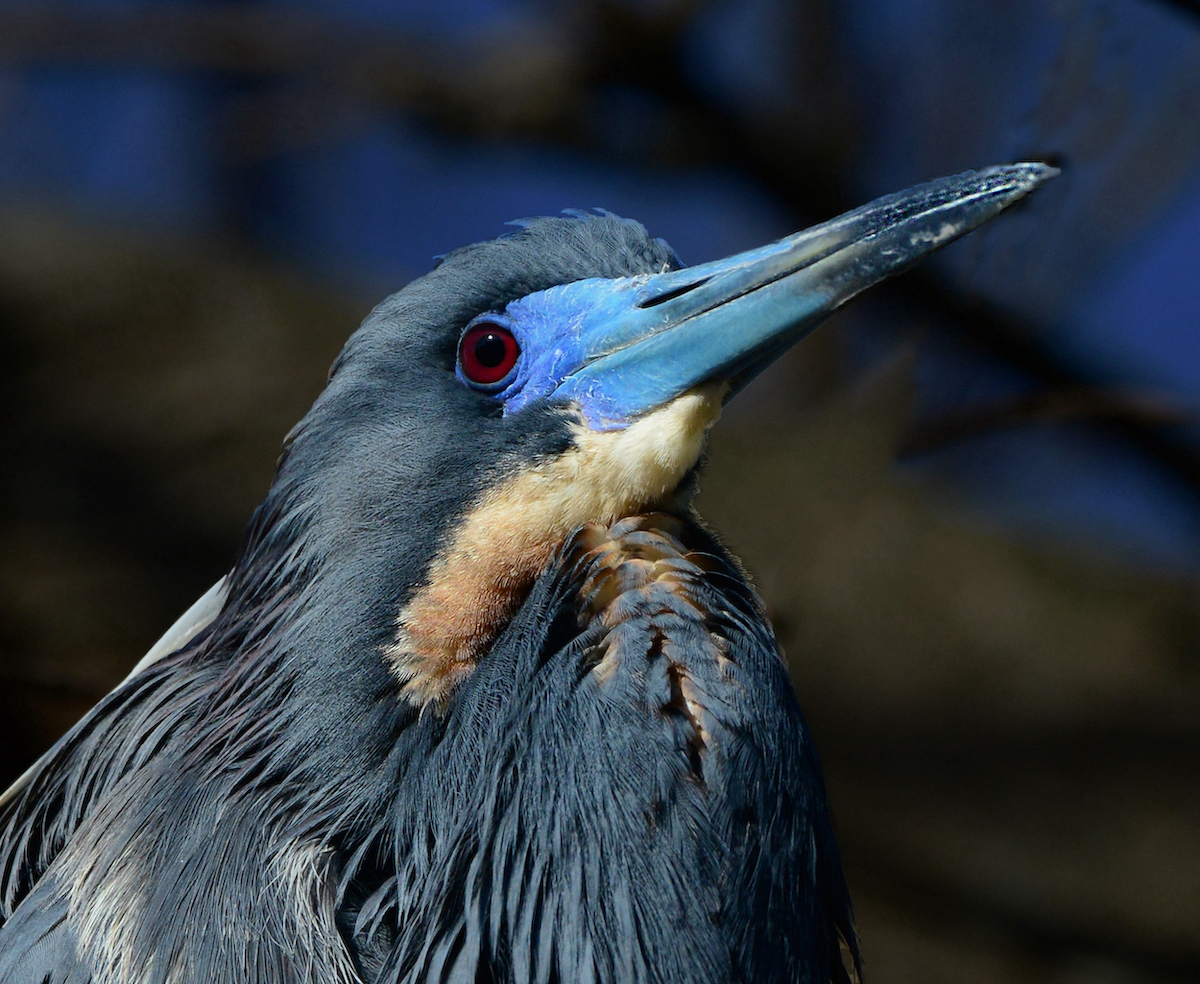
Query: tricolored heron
{"points": [[481, 699]]}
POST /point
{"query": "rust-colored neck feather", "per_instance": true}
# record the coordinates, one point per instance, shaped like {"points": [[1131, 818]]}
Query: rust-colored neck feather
{"points": [[505, 542]]}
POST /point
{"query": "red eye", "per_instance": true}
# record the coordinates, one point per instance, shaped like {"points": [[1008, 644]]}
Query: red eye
{"points": [[487, 353]]}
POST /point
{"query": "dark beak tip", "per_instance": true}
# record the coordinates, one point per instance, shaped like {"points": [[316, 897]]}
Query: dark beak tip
{"points": [[1028, 176], [1039, 171]]}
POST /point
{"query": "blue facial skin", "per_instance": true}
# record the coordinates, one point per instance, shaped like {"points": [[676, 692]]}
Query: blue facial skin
{"points": [[555, 329], [594, 343], [621, 348]]}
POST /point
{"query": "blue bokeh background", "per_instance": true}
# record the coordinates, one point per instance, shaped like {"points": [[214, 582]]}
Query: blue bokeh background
{"points": [[361, 186]]}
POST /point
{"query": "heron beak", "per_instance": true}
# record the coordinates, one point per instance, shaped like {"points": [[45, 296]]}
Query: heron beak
{"points": [[646, 340]]}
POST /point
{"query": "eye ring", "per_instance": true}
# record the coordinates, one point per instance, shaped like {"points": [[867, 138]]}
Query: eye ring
{"points": [[487, 353]]}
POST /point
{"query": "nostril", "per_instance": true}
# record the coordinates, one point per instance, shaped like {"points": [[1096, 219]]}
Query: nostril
{"points": [[650, 299]]}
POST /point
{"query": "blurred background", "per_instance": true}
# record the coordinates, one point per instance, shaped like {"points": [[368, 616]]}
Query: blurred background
{"points": [[972, 499]]}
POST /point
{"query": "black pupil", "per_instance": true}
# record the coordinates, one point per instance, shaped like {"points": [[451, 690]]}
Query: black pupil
{"points": [[490, 350]]}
